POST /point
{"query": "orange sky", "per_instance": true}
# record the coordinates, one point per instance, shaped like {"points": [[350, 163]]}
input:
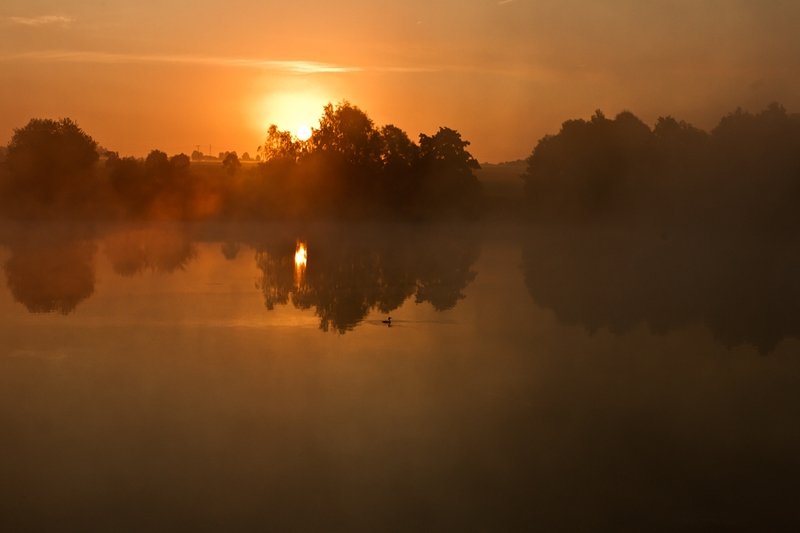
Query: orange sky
{"points": [[174, 74]]}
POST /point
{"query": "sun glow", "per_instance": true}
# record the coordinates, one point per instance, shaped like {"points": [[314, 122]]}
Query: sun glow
{"points": [[303, 132], [294, 110]]}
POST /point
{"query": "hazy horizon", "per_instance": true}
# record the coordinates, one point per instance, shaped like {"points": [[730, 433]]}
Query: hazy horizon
{"points": [[504, 73]]}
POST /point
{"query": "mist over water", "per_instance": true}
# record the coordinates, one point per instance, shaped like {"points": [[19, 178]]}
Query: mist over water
{"points": [[739, 286], [189, 370]]}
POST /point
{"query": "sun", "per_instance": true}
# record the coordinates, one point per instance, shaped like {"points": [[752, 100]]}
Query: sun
{"points": [[303, 132], [292, 109]]}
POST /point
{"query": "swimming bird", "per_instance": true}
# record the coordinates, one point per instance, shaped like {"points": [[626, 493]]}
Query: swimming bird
{"points": [[388, 321]]}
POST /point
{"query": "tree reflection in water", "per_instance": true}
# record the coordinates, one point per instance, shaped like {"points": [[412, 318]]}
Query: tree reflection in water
{"points": [[50, 269], [743, 287], [350, 274], [348, 271], [156, 248]]}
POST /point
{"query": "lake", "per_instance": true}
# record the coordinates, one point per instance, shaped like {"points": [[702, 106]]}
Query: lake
{"points": [[241, 377]]}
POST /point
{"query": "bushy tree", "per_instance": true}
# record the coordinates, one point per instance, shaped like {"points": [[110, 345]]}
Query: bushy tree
{"points": [[49, 149], [345, 130], [398, 153], [231, 163], [399, 159], [156, 164], [279, 145], [127, 179], [586, 169], [344, 156], [179, 164], [447, 168], [50, 165]]}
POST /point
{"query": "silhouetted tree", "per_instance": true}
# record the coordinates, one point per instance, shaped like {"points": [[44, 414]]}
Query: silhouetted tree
{"points": [[350, 168], [448, 178], [399, 158], [279, 145], [745, 173], [127, 179], [231, 163], [107, 154], [161, 186], [675, 138], [47, 147], [587, 169], [156, 165], [179, 164], [346, 131], [50, 165], [757, 162], [345, 159]]}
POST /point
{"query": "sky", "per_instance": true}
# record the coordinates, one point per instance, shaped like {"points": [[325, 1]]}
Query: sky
{"points": [[181, 74]]}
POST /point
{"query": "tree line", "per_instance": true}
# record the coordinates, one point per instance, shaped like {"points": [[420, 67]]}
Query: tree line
{"points": [[744, 173], [349, 167]]}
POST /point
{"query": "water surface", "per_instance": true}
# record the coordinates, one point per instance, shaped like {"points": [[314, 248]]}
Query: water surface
{"points": [[165, 377]]}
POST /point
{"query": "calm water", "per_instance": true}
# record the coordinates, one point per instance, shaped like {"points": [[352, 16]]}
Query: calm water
{"points": [[200, 378]]}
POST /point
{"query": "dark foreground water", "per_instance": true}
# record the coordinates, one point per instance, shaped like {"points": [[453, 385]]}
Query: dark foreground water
{"points": [[165, 378]]}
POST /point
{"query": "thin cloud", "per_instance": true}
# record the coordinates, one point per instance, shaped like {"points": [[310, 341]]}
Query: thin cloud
{"points": [[43, 20], [504, 2], [291, 66], [407, 70], [299, 67]]}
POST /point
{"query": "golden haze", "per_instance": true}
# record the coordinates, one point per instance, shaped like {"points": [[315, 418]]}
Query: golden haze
{"points": [[502, 73]]}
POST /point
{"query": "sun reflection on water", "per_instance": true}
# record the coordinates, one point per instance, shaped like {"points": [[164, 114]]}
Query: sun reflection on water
{"points": [[300, 262]]}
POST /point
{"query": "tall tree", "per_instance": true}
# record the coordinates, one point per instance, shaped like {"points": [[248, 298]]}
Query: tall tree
{"points": [[449, 181], [347, 131], [279, 145]]}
